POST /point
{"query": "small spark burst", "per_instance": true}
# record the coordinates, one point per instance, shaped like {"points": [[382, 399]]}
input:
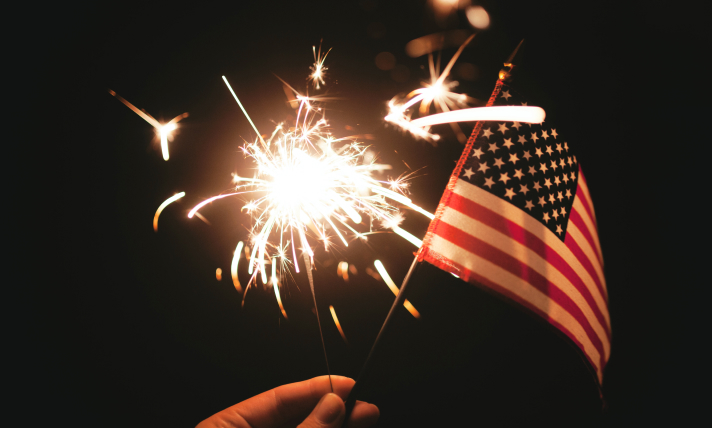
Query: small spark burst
{"points": [[164, 130], [318, 69], [437, 92], [450, 106], [308, 184]]}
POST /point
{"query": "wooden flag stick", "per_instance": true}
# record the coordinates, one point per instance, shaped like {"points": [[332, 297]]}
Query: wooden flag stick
{"points": [[400, 298]]}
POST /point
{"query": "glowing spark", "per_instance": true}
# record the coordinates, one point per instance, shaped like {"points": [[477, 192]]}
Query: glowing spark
{"points": [[392, 285], [407, 236], [338, 324], [343, 270], [218, 274], [163, 206], [275, 285], [164, 130], [233, 267]]}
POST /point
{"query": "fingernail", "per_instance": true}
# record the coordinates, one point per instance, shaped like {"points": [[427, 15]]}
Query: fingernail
{"points": [[329, 408]]}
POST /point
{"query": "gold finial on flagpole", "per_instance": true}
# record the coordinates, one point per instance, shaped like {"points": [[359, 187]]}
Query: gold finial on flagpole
{"points": [[506, 73]]}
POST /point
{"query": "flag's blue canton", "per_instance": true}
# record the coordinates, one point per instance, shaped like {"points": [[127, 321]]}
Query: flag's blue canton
{"points": [[528, 165]]}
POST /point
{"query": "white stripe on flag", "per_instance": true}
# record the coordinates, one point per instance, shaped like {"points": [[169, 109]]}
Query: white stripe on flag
{"points": [[530, 258], [524, 220], [520, 288]]}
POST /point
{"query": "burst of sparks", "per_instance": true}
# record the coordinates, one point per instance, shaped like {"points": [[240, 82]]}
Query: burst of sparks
{"points": [[318, 69], [450, 106], [164, 130], [308, 184], [437, 92]]}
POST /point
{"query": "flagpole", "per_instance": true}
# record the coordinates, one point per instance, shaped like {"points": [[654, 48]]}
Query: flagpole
{"points": [[505, 74], [400, 298]]}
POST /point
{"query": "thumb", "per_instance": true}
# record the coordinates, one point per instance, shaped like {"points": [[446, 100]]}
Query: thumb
{"points": [[328, 413]]}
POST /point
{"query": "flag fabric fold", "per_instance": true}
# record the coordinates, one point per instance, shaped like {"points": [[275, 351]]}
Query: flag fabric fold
{"points": [[517, 218]]}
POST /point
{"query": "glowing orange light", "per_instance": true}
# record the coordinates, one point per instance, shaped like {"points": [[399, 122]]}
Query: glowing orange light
{"points": [[338, 324], [478, 17], [275, 285], [218, 274], [392, 285], [164, 205], [342, 270], [233, 267]]}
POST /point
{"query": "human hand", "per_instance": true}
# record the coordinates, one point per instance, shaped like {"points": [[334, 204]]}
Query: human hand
{"points": [[307, 404]]}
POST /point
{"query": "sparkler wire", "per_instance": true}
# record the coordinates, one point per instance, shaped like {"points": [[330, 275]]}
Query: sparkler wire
{"points": [[243, 110], [307, 262], [400, 298]]}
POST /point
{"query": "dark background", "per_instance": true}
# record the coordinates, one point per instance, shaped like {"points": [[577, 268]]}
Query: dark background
{"points": [[130, 327]]}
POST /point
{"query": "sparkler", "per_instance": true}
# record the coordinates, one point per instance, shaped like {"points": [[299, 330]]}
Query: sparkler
{"points": [[164, 130], [436, 92], [449, 103], [310, 184]]}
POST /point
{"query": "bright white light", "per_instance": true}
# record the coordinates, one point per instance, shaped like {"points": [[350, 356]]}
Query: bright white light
{"points": [[478, 17], [527, 114]]}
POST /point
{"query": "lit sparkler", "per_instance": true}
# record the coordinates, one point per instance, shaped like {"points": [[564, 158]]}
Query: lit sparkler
{"points": [[450, 105], [164, 130], [309, 184], [437, 92]]}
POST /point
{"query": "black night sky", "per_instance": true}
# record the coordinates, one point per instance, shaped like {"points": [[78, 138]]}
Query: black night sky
{"points": [[127, 327]]}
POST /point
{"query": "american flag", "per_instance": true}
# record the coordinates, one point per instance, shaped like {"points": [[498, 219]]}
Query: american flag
{"points": [[517, 218]]}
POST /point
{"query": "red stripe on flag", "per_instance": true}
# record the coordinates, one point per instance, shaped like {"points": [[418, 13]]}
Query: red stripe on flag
{"points": [[582, 189], [575, 218], [586, 263], [472, 277], [526, 238], [522, 270]]}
